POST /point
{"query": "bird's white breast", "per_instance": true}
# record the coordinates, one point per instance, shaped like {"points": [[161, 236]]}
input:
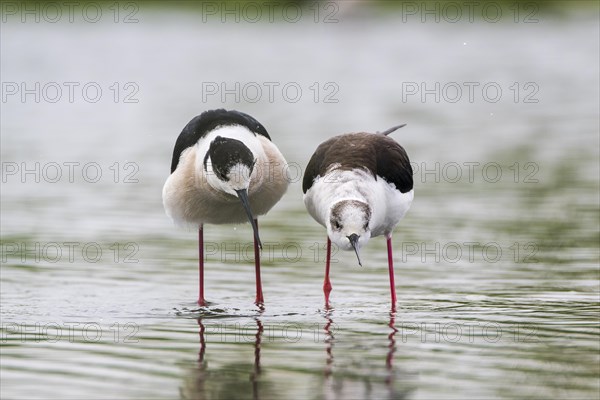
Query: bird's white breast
{"points": [[388, 205]]}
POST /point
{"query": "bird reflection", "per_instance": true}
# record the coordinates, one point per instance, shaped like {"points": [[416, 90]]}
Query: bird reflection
{"points": [[226, 381], [359, 378], [357, 363]]}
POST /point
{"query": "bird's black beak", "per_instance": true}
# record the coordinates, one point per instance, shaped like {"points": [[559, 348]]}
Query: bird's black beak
{"points": [[354, 242], [243, 195]]}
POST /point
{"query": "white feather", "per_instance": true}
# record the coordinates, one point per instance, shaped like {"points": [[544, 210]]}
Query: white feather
{"points": [[388, 205]]}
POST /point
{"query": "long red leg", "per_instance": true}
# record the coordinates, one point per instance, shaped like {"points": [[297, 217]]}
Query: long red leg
{"points": [[391, 269], [259, 293], [201, 301], [327, 283]]}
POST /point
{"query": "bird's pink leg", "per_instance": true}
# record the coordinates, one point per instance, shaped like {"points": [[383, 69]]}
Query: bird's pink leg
{"points": [[391, 269], [327, 283], [259, 293], [201, 301]]}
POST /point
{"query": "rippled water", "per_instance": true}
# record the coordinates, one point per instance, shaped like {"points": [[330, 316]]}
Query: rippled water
{"points": [[496, 263]]}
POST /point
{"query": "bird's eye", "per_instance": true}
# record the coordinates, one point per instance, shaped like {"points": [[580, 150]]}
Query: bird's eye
{"points": [[336, 225]]}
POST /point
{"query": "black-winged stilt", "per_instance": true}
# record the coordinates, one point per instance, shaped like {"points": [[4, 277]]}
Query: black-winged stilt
{"points": [[358, 186], [225, 170]]}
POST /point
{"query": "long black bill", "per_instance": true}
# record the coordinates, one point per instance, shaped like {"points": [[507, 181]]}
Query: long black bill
{"points": [[243, 195], [392, 129], [354, 242]]}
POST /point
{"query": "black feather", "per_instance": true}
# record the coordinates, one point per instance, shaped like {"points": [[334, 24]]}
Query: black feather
{"points": [[226, 153], [204, 123], [380, 155]]}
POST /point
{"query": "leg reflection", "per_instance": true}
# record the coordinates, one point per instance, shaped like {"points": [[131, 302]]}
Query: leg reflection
{"points": [[228, 371], [196, 384], [255, 374], [391, 350], [202, 343], [328, 345]]}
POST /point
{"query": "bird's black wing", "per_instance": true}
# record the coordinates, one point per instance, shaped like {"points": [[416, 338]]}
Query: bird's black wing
{"points": [[378, 154], [318, 164], [393, 164], [202, 124]]}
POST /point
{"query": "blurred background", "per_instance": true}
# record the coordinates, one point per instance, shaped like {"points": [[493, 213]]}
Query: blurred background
{"points": [[496, 262]]}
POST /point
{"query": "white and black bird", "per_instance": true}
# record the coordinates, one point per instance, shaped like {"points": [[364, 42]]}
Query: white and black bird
{"points": [[225, 170], [358, 186]]}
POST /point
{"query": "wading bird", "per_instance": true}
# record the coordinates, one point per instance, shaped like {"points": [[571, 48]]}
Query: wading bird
{"points": [[358, 186], [225, 170]]}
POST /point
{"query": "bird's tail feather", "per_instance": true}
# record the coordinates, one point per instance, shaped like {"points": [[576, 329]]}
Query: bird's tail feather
{"points": [[388, 131]]}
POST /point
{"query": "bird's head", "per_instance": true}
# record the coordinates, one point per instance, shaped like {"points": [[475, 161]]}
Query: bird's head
{"points": [[348, 225], [228, 165]]}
